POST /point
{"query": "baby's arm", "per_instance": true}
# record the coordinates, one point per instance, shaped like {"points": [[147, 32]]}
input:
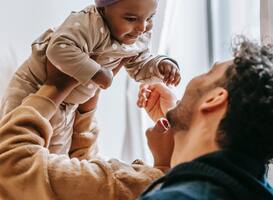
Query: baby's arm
{"points": [[150, 69], [70, 46]]}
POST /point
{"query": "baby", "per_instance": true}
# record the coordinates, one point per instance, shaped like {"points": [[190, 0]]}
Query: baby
{"points": [[89, 46]]}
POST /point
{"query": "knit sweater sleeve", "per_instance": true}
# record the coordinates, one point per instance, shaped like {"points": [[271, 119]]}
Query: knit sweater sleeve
{"points": [[29, 171]]}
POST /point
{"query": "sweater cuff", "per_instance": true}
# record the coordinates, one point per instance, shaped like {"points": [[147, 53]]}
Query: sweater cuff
{"points": [[45, 106]]}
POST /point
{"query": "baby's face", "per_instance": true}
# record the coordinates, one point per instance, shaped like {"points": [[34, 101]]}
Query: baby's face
{"points": [[128, 19]]}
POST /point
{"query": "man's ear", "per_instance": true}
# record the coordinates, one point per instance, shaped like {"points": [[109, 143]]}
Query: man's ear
{"points": [[215, 98]]}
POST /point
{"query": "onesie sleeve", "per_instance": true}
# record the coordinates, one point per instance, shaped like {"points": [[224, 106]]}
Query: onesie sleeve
{"points": [[144, 66], [71, 43]]}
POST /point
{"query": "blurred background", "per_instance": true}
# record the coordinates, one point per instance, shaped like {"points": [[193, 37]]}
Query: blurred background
{"points": [[194, 32]]}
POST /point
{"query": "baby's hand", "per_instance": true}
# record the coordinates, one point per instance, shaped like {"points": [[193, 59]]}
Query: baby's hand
{"points": [[103, 78], [170, 71]]}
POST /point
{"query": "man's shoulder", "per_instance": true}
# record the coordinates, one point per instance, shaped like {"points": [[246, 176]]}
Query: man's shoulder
{"points": [[190, 190]]}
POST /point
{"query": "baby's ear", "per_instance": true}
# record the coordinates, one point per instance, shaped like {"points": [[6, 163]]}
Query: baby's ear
{"points": [[214, 99]]}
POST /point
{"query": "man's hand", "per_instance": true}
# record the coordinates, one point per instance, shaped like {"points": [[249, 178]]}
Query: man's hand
{"points": [[58, 78], [57, 85], [170, 71], [161, 144], [156, 99]]}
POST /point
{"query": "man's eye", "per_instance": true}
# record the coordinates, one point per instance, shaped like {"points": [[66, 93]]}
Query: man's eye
{"points": [[130, 19]]}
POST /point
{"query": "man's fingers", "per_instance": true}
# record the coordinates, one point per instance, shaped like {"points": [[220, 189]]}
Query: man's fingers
{"points": [[143, 95]]}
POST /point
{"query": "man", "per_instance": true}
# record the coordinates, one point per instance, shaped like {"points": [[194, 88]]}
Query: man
{"points": [[222, 130]]}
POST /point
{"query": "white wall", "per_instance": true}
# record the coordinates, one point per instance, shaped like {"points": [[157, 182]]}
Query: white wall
{"points": [[21, 23]]}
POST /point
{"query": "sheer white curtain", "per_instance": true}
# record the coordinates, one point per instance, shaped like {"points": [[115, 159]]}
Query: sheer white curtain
{"points": [[266, 21], [229, 18]]}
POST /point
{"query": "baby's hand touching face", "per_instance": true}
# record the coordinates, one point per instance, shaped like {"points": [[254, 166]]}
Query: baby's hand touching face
{"points": [[170, 71]]}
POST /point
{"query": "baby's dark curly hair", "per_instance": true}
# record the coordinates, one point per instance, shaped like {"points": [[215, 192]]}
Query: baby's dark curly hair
{"points": [[248, 124]]}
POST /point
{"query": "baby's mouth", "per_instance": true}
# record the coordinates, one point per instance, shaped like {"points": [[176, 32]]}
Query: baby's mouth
{"points": [[132, 36]]}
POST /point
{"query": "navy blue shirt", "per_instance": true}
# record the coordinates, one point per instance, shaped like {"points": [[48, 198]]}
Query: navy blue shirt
{"points": [[221, 175]]}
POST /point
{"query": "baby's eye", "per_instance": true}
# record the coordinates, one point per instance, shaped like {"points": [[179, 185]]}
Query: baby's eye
{"points": [[131, 19]]}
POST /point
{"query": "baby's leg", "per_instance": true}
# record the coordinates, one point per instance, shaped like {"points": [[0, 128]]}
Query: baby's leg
{"points": [[74, 134], [84, 139], [85, 130], [62, 124], [21, 85]]}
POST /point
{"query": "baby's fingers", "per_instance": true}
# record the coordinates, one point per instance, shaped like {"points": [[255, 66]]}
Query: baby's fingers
{"points": [[167, 73], [172, 76], [177, 78]]}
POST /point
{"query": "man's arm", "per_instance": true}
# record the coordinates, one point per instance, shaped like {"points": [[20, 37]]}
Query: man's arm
{"points": [[29, 171]]}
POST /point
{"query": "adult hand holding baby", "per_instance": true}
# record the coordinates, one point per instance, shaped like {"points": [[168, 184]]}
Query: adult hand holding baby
{"points": [[57, 85]]}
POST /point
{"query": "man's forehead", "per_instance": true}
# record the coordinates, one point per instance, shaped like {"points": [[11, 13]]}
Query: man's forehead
{"points": [[223, 64]]}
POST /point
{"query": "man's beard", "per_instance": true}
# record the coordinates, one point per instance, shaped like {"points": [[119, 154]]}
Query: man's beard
{"points": [[181, 118]]}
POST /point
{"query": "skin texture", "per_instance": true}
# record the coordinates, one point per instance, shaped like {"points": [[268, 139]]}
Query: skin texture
{"points": [[194, 121]]}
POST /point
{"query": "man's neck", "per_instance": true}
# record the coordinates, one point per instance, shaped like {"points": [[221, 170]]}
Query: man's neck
{"points": [[194, 143]]}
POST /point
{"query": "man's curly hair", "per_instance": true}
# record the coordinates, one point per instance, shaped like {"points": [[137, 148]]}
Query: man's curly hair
{"points": [[248, 124]]}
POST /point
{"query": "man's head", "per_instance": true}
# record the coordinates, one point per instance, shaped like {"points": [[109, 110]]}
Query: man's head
{"points": [[230, 107], [128, 19]]}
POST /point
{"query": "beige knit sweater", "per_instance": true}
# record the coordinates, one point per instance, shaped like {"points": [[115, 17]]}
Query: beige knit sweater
{"points": [[28, 171]]}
